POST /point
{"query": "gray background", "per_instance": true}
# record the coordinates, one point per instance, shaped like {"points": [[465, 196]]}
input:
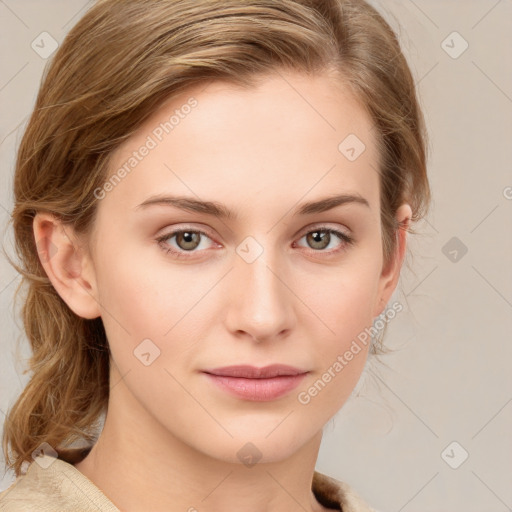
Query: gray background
{"points": [[449, 379]]}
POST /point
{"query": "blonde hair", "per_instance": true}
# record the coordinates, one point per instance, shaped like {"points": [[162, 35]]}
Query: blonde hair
{"points": [[113, 69]]}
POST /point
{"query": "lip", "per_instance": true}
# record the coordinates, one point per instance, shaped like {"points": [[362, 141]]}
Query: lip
{"points": [[257, 384], [252, 372]]}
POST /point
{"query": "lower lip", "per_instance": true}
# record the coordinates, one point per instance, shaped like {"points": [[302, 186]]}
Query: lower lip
{"points": [[259, 390]]}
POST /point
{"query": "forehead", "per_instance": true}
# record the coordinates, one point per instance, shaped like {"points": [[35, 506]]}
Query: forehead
{"points": [[290, 136]]}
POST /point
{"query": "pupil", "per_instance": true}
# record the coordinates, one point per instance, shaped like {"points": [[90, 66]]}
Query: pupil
{"points": [[188, 239], [319, 239]]}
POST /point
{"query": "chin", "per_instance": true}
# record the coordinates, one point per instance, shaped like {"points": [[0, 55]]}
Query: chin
{"points": [[250, 446]]}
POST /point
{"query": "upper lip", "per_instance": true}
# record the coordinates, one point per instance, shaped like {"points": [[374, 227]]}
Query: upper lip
{"points": [[252, 372]]}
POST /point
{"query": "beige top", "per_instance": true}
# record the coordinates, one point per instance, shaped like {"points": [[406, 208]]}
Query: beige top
{"points": [[51, 485]]}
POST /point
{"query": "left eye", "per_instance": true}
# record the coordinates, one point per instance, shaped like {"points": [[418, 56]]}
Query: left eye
{"points": [[188, 240], [320, 238]]}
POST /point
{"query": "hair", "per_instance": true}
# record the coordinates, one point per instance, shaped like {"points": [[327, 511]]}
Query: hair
{"points": [[114, 68]]}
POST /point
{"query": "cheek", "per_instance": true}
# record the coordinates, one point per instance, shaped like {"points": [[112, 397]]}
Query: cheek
{"points": [[150, 300], [346, 299], [345, 306], [342, 353], [134, 299]]}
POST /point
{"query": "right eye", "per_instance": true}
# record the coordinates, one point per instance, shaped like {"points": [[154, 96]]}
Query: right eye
{"points": [[186, 241]]}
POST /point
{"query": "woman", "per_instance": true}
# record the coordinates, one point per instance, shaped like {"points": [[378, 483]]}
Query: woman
{"points": [[211, 207]]}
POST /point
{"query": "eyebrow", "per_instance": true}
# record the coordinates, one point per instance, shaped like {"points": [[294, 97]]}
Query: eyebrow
{"points": [[219, 210]]}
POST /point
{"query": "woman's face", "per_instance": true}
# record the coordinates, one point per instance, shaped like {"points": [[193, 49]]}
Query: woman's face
{"points": [[260, 286]]}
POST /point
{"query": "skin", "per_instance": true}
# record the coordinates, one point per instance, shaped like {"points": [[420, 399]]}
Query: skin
{"points": [[171, 439]]}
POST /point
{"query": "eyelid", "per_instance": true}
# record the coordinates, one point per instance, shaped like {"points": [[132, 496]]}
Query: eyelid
{"points": [[174, 231], [184, 227], [324, 226], [206, 232]]}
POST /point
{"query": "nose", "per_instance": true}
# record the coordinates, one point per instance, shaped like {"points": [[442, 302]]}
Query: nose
{"points": [[260, 305]]}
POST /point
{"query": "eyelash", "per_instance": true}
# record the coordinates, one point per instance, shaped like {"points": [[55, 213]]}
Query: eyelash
{"points": [[346, 239]]}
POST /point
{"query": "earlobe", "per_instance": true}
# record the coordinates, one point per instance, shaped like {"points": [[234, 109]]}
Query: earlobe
{"points": [[64, 262], [391, 273]]}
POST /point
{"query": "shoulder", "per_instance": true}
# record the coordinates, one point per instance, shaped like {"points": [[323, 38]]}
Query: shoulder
{"points": [[338, 495], [51, 484]]}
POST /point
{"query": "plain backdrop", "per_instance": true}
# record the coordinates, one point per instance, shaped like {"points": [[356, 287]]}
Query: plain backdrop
{"points": [[429, 430]]}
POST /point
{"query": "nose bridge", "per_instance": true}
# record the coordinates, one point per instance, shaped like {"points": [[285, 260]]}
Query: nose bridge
{"points": [[260, 301]]}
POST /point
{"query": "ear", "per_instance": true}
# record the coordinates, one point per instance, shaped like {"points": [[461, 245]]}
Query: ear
{"points": [[67, 264], [391, 271]]}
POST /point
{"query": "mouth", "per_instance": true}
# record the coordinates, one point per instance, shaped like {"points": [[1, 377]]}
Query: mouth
{"points": [[252, 372], [256, 384]]}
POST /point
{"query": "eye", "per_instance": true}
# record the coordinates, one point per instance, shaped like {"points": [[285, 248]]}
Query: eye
{"points": [[189, 241], [186, 240], [320, 239]]}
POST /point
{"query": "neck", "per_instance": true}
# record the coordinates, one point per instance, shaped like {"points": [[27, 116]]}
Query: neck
{"points": [[140, 465]]}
